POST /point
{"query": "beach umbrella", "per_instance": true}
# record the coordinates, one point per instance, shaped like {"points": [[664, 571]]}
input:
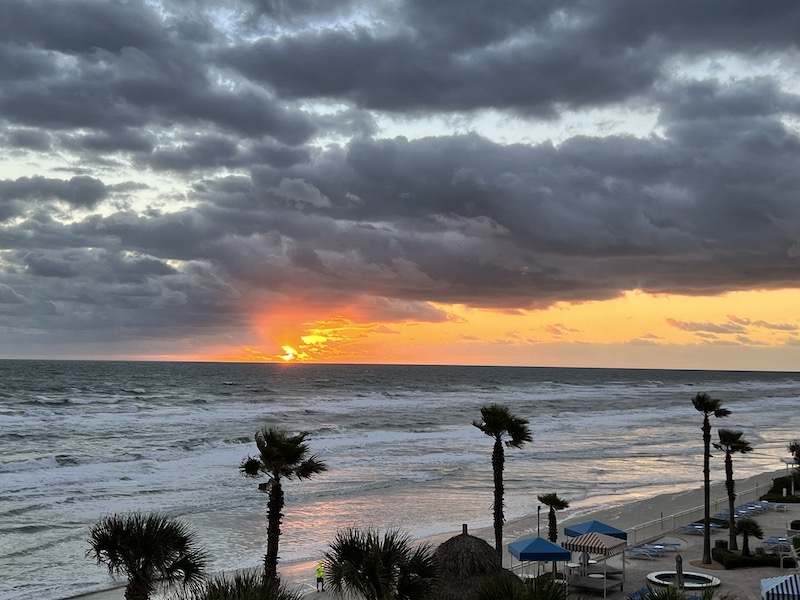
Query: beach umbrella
{"points": [[594, 527], [538, 549], [786, 587], [679, 571]]}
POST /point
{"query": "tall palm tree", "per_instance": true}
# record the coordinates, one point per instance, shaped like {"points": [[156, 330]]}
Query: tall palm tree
{"points": [[748, 527], [708, 406], [372, 566], [731, 441], [150, 550], [555, 503], [497, 421], [280, 455]]}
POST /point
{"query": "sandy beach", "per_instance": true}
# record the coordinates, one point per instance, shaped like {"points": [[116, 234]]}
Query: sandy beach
{"points": [[742, 584]]}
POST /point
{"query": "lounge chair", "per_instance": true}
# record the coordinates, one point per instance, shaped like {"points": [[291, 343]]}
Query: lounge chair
{"points": [[643, 552]]}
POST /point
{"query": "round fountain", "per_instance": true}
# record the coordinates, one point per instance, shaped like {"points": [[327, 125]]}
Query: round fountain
{"points": [[691, 580]]}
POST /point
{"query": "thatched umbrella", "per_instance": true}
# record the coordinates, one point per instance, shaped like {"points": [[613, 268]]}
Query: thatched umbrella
{"points": [[466, 562]]}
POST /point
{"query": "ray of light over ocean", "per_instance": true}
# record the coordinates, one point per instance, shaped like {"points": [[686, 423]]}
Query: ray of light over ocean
{"points": [[80, 440]]}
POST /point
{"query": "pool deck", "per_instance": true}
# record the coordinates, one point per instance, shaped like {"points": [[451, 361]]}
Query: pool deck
{"points": [[737, 584]]}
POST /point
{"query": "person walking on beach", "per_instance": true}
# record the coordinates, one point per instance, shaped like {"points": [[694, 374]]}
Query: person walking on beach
{"points": [[320, 577]]}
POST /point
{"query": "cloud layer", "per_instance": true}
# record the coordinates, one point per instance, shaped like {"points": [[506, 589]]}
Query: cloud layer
{"points": [[171, 168]]}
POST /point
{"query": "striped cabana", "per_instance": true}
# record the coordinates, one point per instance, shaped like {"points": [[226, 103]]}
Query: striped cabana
{"points": [[599, 544], [786, 587], [596, 543]]}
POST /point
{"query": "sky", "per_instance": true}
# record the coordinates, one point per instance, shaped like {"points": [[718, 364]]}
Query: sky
{"points": [[549, 183]]}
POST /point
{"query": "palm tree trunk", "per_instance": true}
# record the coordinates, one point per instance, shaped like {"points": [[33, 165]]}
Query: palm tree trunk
{"points": [[707, 491], [136, 589], [498, 460], [274, 517], [730, 486], [552, 525]]}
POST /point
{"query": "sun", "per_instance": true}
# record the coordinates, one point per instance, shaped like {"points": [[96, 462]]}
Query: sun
{"points": [[290, 353]]}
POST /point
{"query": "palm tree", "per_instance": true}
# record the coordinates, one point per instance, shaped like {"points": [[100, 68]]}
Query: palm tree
{"points": [[748, 527], [372, 566], [543, 588], [731, 441], [150, 550], [708, 406], [794, 449], [280, 455], [555, 503], [242, 585], [498, 422]]}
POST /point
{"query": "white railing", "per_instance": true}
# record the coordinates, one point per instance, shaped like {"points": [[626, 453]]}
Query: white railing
{"points": [[666, 524]]}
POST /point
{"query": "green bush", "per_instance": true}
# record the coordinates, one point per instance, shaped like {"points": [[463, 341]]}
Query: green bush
{"points": [[795, 524], [733, 560], [775, 493]]}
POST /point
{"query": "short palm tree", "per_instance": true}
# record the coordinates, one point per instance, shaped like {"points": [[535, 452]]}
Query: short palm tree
{"points": [[708, 406], [242, 585], [497, 422], [543, 588], [366, 564], [794, 449], [281, 455], [672, 593], [748, 527], [150, 550], [731, 441], [555, 503]]}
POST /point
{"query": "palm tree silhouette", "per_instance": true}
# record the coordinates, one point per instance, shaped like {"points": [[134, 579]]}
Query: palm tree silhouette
{"points": [[555, 503], [731, 441], [366, 564], [708, 406], [498, 422], [280, 455], [150, 550], [748, 527]]}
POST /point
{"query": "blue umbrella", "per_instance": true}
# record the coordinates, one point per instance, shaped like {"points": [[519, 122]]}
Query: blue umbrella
{"points": [[538, 549], [595, 527]]}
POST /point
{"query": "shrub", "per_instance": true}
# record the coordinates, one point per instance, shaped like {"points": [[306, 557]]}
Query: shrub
{"points": [[734, 560]]}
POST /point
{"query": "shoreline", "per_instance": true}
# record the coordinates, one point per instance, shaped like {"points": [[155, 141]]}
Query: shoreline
{"points": [[626, 516]]}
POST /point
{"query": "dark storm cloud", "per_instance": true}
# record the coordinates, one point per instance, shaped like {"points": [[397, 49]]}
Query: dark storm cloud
{"points": [[532, 57], [259, 117], [79, 191]]}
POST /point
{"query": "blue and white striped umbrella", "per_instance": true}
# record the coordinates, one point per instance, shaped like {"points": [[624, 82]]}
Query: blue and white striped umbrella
{"points": [[786, 587]]}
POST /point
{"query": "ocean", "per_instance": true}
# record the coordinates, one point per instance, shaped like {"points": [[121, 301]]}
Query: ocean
{"points": [[81, 440]]}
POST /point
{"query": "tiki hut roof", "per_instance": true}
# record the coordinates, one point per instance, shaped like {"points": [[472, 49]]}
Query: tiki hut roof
{"points": [[465, 556], [466, 562]]}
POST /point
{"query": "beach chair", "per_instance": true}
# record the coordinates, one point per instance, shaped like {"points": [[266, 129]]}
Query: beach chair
{"points": [[642, 552], [692, 528], [792, 553]]}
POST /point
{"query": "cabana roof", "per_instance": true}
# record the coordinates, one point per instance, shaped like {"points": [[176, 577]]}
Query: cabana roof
{"points": [[538, 549], [596, 527], [596, 543], [786, 587]]}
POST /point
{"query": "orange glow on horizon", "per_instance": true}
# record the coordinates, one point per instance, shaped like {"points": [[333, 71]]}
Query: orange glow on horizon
{"points": [[634, 330]]}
